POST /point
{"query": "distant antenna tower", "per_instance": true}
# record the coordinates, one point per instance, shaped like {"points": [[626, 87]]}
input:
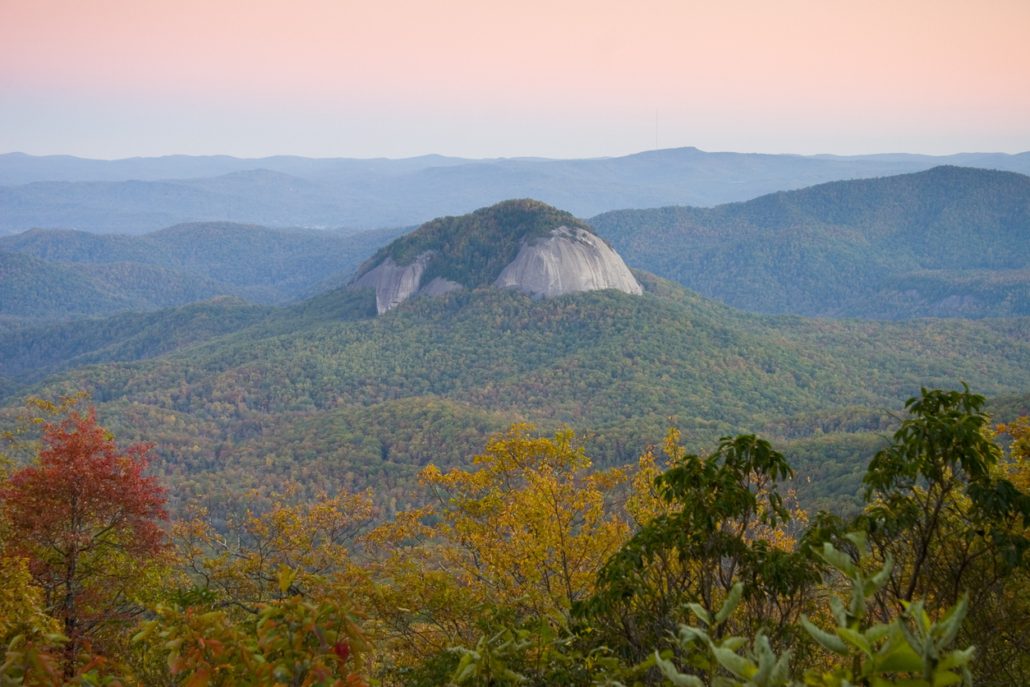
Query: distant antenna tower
{"points": [[656, 129]]}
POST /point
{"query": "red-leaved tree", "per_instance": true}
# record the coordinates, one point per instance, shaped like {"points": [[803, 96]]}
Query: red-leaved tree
{"points": [[87, 520]]}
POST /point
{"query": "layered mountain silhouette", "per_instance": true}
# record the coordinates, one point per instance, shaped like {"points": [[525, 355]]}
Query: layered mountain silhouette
{"points": [[139, 195]]}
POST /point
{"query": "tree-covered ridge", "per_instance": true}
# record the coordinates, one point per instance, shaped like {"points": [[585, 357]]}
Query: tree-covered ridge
{"points": [[62, 274], [950, 241], [473, 249], [34, 352]]}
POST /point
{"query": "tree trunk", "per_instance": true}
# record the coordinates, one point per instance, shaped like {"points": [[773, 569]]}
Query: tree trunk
{"points": [[70, 613]]}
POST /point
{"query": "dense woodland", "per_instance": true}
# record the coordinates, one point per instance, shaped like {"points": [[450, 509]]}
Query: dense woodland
{"points": [[324, 393], [947, 242], [527, 565]]}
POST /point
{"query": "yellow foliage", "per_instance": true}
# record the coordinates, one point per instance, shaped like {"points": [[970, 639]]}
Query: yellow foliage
{"points": [[21, 603], [311, 539], [644, 504], [526, 530], [1017, 467], [530, 524]]}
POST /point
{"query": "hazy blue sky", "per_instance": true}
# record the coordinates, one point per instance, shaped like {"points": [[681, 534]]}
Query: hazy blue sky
{"points": [[478, 78]]}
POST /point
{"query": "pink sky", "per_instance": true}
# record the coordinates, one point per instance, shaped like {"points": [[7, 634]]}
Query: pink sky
{"points": [[112, 78]]}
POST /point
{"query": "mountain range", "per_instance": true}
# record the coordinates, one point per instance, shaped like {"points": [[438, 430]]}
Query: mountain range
{"points": [[140, 195], [945, 242], [327, 393]]}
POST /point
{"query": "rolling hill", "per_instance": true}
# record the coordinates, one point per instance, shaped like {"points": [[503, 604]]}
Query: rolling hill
{"points": [[50, 274], [947, 242]]}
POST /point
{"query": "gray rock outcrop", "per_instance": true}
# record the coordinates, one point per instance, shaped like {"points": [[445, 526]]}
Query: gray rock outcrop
{"points": [[394, 283], [568, 261], [438, 286]]}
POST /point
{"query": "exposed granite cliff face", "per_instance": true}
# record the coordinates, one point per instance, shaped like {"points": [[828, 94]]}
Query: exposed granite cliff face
{"points": [[438, 286], [520, 244], [393, 283], [568, 261]]}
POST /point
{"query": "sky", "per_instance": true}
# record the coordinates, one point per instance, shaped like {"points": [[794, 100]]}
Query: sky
{"points": [[496, 78]]}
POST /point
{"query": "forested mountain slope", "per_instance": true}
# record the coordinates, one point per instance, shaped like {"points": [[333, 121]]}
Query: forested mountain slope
{"points": [[951, 242], [323, 393], [61, 273], [31, 352]]}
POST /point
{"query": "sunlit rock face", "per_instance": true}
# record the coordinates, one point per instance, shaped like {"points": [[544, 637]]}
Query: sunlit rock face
{"points": [[568, 261], [393, 283], [517, 244]]}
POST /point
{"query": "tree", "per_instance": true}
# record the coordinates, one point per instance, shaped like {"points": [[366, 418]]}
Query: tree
{"points": [[722, 523], [944, 509], [910, 649], [531, 523], [289, 641], [87, 520], [240, 566], [518, 540]]}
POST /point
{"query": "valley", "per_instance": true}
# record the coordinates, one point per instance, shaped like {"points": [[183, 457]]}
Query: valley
{"points": [[324, 393]]}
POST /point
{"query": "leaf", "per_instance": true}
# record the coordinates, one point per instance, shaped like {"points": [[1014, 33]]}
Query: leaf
{"points": [[780, 672], [859, 539], [828, 641], [877, 632], [700, 612], [856, 639], [688, 634], [731, 602], [735, 663], [958, 658], [839, 560], [948, 626], [673, 675], [856, 608], [840, 614], [877, 581], [201, 678], [901, 659], [943, 679]]}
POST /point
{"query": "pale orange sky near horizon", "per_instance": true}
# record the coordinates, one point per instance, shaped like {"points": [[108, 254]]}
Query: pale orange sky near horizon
{"points": [[112, 78]]}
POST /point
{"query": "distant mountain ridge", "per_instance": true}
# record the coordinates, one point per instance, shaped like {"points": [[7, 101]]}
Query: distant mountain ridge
{"points": [[143, 194], [950, 241]]}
